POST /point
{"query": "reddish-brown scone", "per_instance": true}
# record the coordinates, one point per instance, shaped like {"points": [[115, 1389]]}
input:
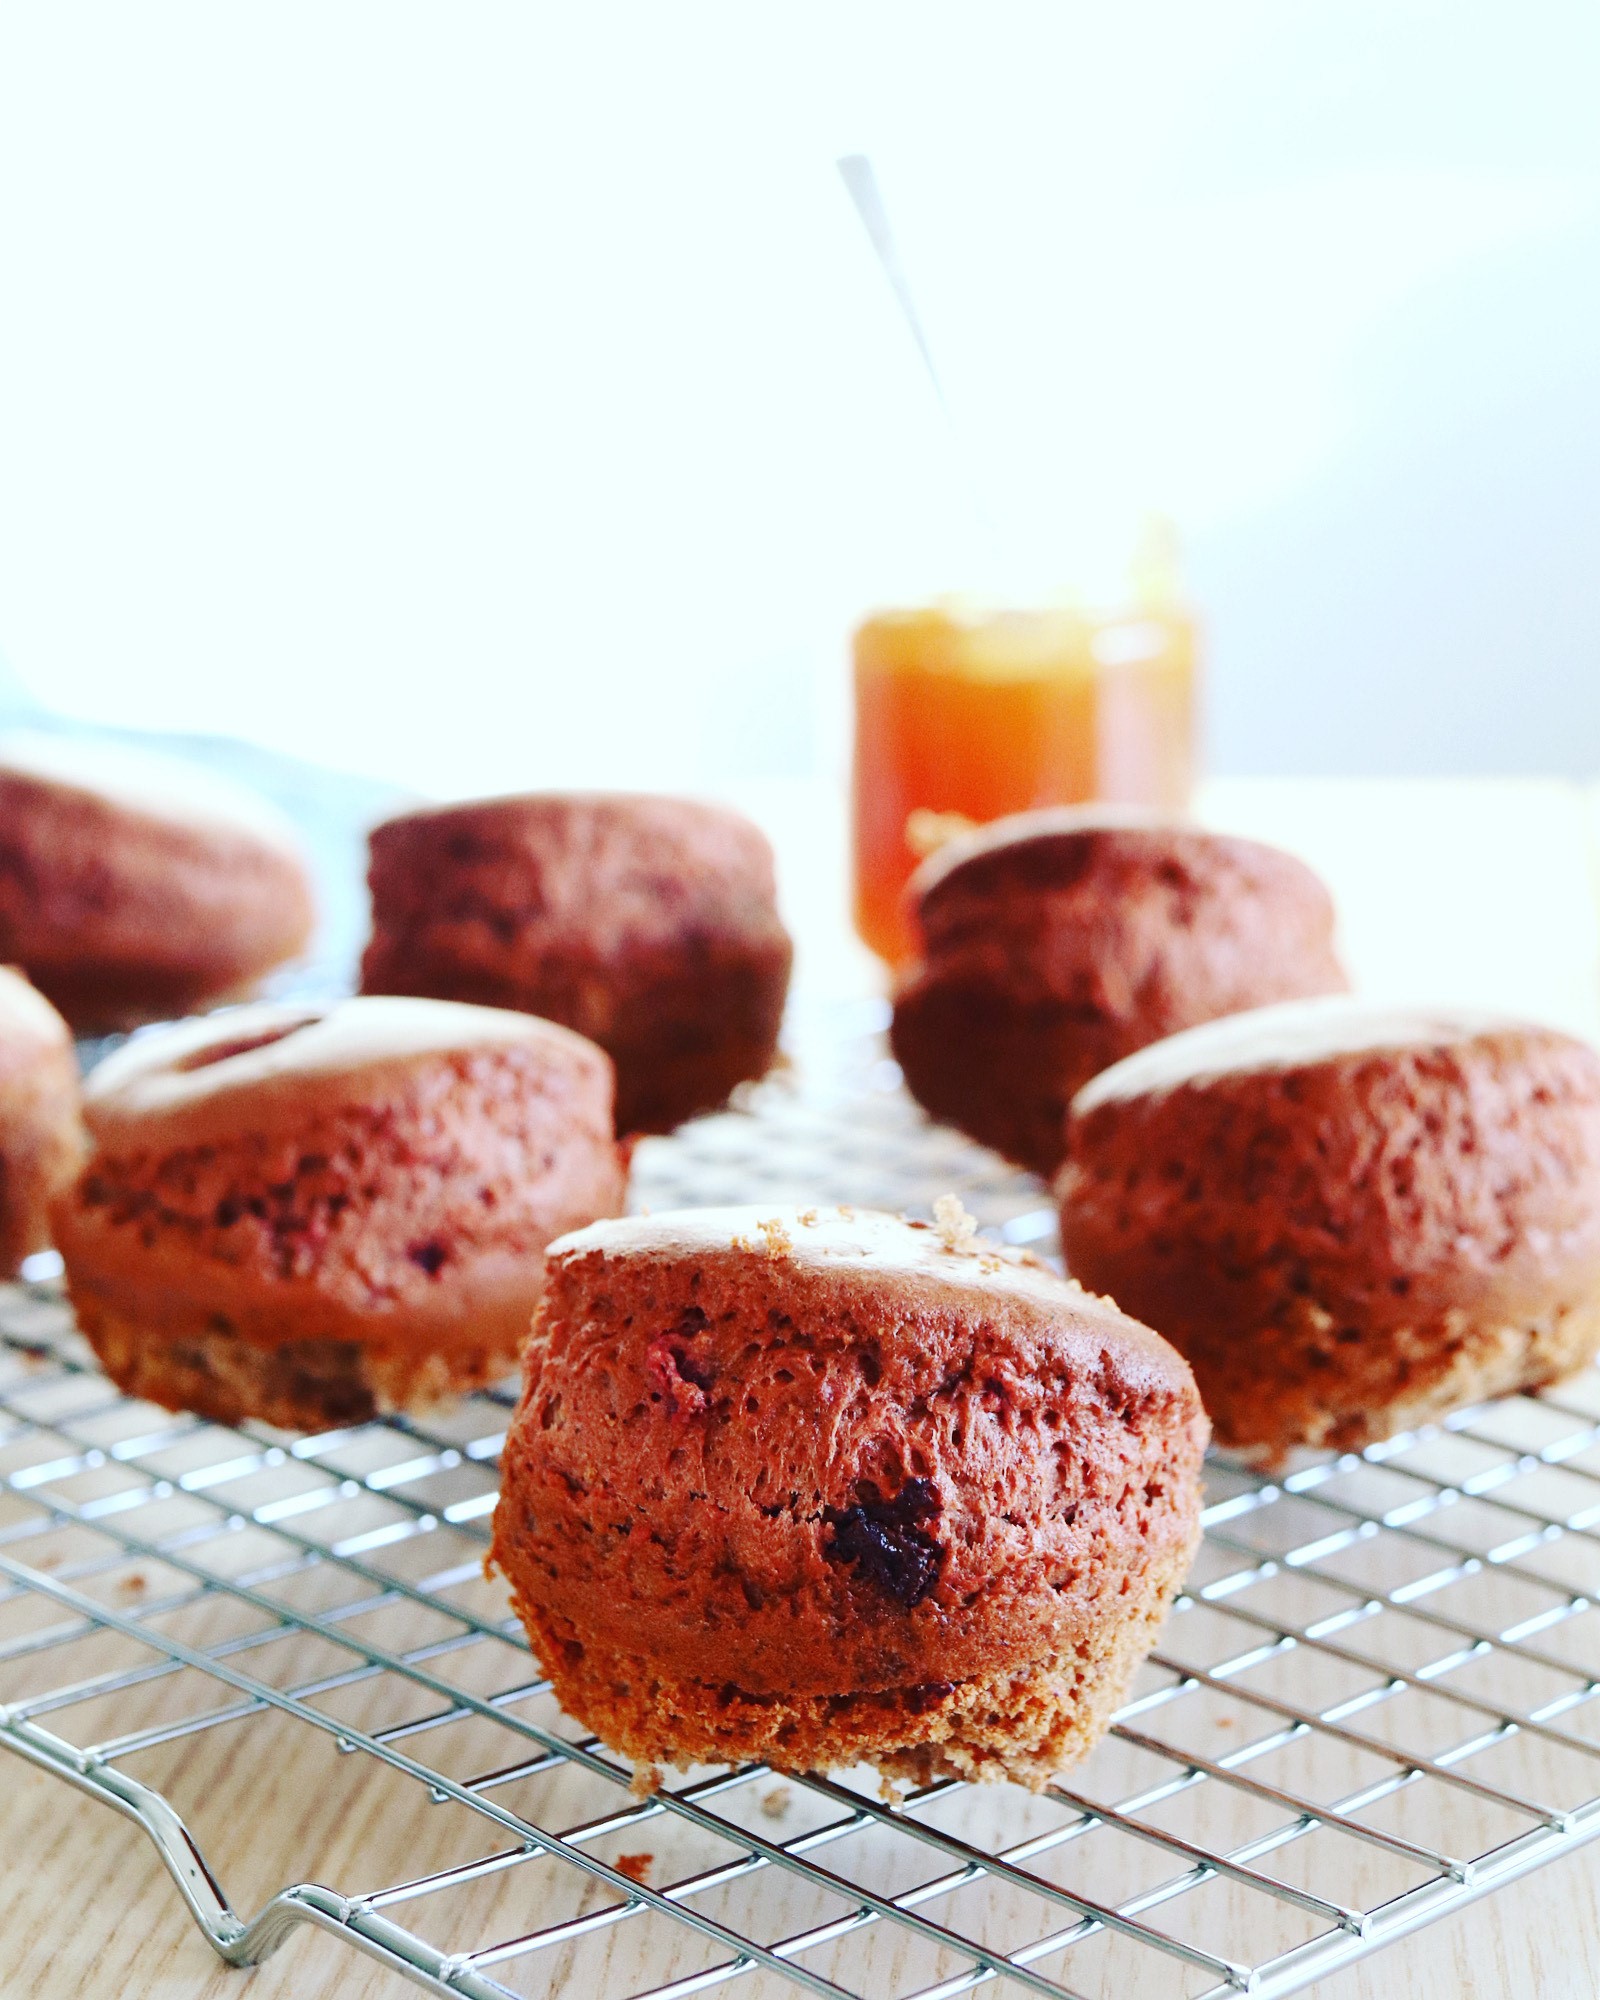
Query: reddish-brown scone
{"points": [[135, 887], [309, 1214], [819, 1487], [1350, 1220], [41, 1135], [1054, 943], [647, 924]]}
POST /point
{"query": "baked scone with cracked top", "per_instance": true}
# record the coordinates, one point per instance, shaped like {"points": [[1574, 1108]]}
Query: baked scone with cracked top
{"points": [[1054, 943], [1351, 1219], [310, 1214], [825, 1486], [648, 924], [135, 886], [41, 1136]]}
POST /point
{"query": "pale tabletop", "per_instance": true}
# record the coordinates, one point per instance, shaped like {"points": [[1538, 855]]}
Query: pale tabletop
{"points": [[1480, 891]]}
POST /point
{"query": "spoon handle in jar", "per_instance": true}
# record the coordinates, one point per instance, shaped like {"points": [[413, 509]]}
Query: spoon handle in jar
{"points": [[856, 171]]}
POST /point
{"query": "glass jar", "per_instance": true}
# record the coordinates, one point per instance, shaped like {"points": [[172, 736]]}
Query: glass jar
{"points": [[962, 716]]}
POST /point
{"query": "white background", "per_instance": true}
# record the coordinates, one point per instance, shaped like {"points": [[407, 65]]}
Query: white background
{"points": [[484, 396]]}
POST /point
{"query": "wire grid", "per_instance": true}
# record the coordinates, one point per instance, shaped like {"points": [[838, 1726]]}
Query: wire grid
{"points": [[1374, 1703]]}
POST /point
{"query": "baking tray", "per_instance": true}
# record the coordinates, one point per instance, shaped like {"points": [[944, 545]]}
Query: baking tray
{"points": [[1374, 1703]]}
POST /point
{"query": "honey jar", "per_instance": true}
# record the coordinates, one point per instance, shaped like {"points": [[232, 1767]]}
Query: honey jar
{"points": [[964, 714]]}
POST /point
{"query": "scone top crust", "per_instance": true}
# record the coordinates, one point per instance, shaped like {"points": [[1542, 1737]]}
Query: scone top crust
{"points": [[614, 869], [1039, 843], [1293, 1035], [1390, 1167], [859, 1452], [167, 794], [385, 1172], [886, 1264], [1118, 909], [133, 886], [266, 1068]]}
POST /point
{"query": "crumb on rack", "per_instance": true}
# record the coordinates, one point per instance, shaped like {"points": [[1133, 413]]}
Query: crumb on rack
{"points": [[775, 1800], [635, 1866], [957, 1230], [135, 1583], [646, 1780], [776, 1238]]}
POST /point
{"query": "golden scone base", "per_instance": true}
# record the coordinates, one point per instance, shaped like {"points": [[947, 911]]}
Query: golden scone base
{"points": [[1024, 1724]]}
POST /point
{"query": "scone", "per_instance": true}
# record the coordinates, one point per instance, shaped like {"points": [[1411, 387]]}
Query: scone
{"points": [[1350, 1220], [135, 887], [41, 1137], [647, 924], [818, 1487], [1055, 943], [309, 1214]]}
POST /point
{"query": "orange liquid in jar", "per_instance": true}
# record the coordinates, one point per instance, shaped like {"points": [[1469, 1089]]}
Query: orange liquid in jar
{"points": [[966, 718]]}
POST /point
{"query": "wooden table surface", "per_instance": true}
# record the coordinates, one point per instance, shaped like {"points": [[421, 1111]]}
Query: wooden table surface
{"points": [[1476, 891]]}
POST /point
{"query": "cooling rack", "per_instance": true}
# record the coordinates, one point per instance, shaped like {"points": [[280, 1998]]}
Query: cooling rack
{"points": [[1374, 1703]]}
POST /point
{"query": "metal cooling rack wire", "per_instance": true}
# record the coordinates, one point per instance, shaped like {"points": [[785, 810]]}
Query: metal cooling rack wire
{"points": [[1326, 1520]]}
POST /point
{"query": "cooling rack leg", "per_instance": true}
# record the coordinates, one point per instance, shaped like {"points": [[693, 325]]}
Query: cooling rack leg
{"points": [[240, 1944], [175, 1844]]}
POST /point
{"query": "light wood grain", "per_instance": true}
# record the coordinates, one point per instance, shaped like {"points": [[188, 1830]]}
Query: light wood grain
{"points": [[132, 1939], [1476, 891]]}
